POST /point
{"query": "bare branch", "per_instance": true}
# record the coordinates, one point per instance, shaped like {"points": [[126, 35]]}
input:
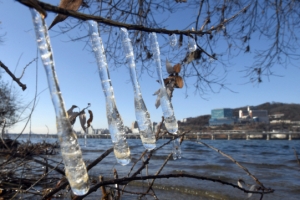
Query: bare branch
{"points": [[233, 160], [106, 21], [23, 86]]}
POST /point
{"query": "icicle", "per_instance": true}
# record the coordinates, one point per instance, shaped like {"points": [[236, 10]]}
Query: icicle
{"points": [[173, 40], [142, 115], [166, 105], [115, 122], [75, 168], [192, 44]]}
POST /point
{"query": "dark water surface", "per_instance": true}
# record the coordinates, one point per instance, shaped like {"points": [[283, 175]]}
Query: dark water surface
{"points": [[272, 161]]}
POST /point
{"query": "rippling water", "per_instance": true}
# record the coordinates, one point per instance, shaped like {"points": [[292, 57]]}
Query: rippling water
{"points": [[272, 161]]}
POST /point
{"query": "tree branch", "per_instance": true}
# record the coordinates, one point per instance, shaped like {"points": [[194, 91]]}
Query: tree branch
{"points": [[233, 160], [90, 166], [82, 16], [23, 86], [181, 175]]}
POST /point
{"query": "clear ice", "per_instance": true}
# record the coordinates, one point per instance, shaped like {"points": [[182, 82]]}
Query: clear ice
{"points": [[115, 122], [75, 168], [142, 115], [192, 44], [166, 105], [173, 40]]}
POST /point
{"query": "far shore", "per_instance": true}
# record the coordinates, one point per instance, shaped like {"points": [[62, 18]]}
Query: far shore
{"points": [[212, 135]]}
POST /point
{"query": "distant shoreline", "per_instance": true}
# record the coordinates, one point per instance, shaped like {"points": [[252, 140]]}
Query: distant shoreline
{"points": [[223, 135]]}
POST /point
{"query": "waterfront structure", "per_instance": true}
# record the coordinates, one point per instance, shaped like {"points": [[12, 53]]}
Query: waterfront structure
{"points": [[101, 131], [221, 116]]}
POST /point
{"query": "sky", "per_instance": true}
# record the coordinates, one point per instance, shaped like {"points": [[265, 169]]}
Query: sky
{"points": [[80, 83]]}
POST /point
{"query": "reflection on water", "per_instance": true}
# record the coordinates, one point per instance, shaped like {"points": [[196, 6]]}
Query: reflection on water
{"points": [[272, 162]]}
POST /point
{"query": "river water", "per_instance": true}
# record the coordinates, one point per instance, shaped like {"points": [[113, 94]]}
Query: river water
{"points": [[272, 161]]}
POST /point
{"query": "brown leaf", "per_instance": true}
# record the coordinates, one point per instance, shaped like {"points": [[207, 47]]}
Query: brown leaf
{"points": [[177, 68], [178, 81], [89, 121]]}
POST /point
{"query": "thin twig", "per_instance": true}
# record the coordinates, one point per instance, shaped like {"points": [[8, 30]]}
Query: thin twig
{"points": [[43, 176], [237, 163], [25, 68], [100, 158], [158, 128], [175, 136], [136, 162], [23, 86], [2, 133], [117, 185], [157, 173], [34, 100], [90, 166], [49, 165], [167, 176]]}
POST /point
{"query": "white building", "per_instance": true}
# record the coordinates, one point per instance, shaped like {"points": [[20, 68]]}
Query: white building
{"points": [[260, 115]]}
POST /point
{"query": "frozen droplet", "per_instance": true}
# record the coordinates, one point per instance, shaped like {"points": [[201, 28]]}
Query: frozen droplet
{"points": [[173, 40], [192, 44]]}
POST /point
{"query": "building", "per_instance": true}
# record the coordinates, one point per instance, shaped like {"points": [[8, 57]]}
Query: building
{"points": [[276, 116], [243, 114], [221, 113], [221, 116], [183, 120], [221, 121], [101, 131], [254, 115]]}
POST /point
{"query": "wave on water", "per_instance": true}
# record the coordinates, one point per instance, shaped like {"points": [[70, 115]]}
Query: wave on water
{"points": [[272, 162]]}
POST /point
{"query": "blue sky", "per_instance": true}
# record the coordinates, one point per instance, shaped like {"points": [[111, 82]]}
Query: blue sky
{"points": [[80, 83]]}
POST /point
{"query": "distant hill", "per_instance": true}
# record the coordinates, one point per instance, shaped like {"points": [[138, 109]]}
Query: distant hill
{"points": [[290, 111]]}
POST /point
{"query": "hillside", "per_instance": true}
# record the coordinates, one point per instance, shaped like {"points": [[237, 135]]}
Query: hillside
{"points": [[290, 111]]}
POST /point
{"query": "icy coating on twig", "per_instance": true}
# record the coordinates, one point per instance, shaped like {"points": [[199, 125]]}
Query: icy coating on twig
{"points": [[166, 105], [141, 113], [75, 168], [115, 122]]}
